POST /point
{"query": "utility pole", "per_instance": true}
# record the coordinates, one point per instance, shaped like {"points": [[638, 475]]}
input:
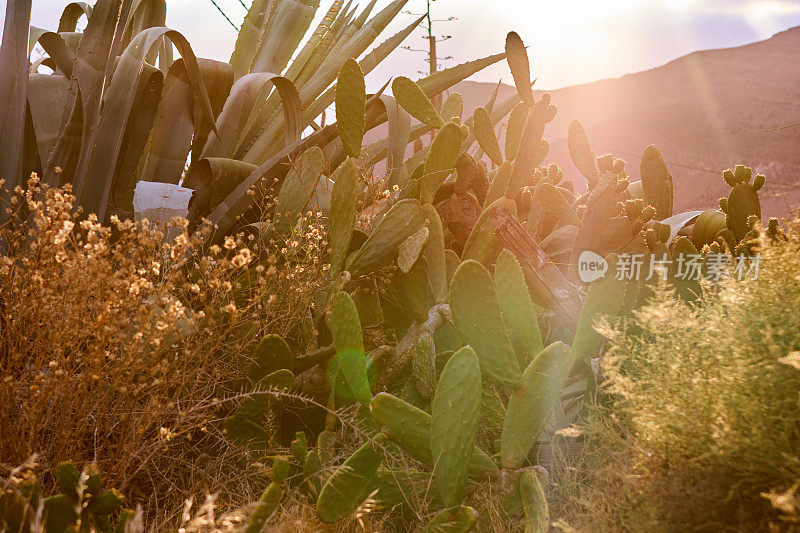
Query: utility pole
{"points": [[433, 58]]}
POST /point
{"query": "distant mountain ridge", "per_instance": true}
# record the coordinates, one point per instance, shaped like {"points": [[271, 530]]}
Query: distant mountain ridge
{"points": [[706, 112]]}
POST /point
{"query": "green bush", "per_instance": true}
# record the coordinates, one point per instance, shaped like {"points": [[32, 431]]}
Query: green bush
{"points": [[701, 429]]}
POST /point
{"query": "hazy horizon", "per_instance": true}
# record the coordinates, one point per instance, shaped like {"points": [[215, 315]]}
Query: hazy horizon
{"points": [[571, 41]]}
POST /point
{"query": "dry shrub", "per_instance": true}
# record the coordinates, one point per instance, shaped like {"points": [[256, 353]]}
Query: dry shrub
{"points": [[701, 430], [120, 348]]}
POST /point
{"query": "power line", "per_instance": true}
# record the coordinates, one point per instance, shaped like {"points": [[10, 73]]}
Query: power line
{"points": [[244, 5], [224, 15]]}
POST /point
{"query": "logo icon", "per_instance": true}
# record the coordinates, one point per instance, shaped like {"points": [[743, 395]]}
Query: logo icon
{"points": [[591, 266]]}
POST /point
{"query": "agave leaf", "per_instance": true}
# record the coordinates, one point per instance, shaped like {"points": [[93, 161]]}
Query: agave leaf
{"points": [[239, 201], [249, 36], [286, 28], [246, 92], [173, 129], [47, 96], [137, 131], [397, 139], [56, 47], [93, 180], [94, 64], [315, 42], [71, 15], [520, 67], [213, 179], [13, 92], [444, 79], [259, 140]]}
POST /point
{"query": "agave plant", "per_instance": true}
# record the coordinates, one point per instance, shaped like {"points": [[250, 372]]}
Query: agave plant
{"points": [[118, 108]]}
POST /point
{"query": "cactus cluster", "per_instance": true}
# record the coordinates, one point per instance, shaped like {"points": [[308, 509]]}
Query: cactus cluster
{"points": [[83, 504], [468, 368]]}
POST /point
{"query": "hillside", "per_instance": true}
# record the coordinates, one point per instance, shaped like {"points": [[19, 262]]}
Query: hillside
{"points": [[706, 112]]}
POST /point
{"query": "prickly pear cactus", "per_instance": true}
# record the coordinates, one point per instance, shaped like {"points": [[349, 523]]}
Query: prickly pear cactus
{"points": [[455, 412], [410, 427], [515, 303], [531, 404], [478, 317], [270, 499], [459, 520], [743, 201], [351, 104], [656, 182], [351, 482], [413, 99]]}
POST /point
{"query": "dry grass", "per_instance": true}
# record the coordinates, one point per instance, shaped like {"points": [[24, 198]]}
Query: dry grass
{"points": [[701, 430], [119, 348]]}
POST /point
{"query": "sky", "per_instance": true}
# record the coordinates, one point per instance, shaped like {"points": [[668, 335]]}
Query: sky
{"points": [[570, 41]]}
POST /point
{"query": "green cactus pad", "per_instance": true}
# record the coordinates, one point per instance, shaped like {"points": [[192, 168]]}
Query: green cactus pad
{"points": [[423, 366], [518, 62], [403, 220], [350, 483], [312, 466], [515, 303], [459, 520], [603, 299], [299, 185], [326, 442], [67, 478], [516, 123], [452, 261], [403, 488], [351, 106], [267, 504], [59, 513], [743, 202], [434, 254], [482, 244], [656, 182], [455, 412], [107, 502], [413, 99], [499, 184], [344, 198], [531, 405], [270, 355], [246, 424], [349, 343], [453, 107], [484, 133], [581, 153], [409, 250], [441, 160], [554, 202], [534, 503], [410, 427], [477, 316]]}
